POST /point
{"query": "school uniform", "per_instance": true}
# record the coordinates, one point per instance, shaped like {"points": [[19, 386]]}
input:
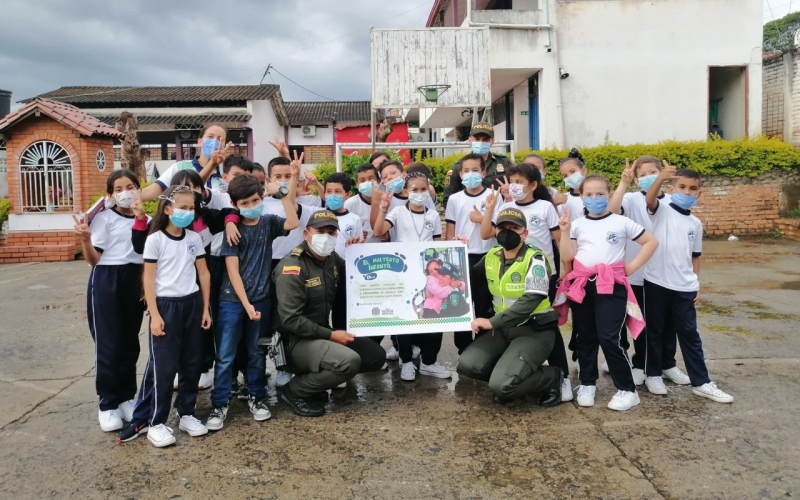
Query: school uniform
{"points": [[114, 308], [180, 305], [349, 226], [634, 207], [670, 288], [362, 207], [459, 207], [165, 179], [411, 226], [401, 201], [575, 205], [310, 200], [285, 244], [598, 320]]}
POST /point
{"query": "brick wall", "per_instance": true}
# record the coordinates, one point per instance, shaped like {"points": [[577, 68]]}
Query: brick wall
{"points": [[773, 81], [40, 246], [743, 206], [318, 154]]}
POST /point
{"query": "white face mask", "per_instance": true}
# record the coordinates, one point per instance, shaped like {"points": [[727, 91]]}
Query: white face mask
{"points": [[516, 191], [419, 199], [323, 244], [124, 199]]}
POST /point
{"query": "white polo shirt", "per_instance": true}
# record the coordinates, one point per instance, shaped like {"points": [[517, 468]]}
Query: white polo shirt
{"points": [[357, 205], [414, 226], [602, 240], [174, 258], [541, 217], [574, 204], [680, 236], [218, 201], [349, 226], [401, 201], [111, 236], [285, 244], [309, 199], [459, 207], [634, 207]]}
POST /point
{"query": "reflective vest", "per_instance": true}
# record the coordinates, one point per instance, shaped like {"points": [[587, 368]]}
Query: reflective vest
{"points": [[507, 289]]}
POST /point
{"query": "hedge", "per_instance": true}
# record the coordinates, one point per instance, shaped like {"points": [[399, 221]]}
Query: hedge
{"points": [[5, 207], [744, 158]]}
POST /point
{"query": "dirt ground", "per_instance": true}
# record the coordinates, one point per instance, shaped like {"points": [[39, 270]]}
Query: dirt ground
{"points": [[384, 438]]}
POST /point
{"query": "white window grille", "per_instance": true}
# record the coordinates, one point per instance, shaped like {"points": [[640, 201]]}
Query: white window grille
{"points": [[46, 178]]}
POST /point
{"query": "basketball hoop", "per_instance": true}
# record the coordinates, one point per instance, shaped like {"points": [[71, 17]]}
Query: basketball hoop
{"points": [[433, 92]]}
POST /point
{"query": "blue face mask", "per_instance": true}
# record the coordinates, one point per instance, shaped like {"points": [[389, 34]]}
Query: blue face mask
{"points": [[396, 185], [481, 148], [209, 146], [283, 185], [252, 213], [334, 201], [684, 201], [472, 180], [647, 181], [182, 218], [574, 181], [365, 188], [596, 205]]}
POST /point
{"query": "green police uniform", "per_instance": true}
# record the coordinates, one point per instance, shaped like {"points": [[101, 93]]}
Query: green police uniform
{"points": [[510, 357], [496, 166], [307, 289]]}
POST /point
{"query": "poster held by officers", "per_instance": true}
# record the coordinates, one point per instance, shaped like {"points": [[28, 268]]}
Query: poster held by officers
{"points": [[402, 288]]}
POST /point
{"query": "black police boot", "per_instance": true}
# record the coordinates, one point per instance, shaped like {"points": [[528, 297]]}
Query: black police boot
{"points": [[552, 396], [304, 407], [321, 398]]}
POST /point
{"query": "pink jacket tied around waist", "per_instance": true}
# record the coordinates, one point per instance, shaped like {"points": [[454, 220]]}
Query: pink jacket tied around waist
{"points": [[572, 288]]}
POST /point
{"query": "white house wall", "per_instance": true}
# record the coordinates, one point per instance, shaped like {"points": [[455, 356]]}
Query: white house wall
{"points": [[265, 126], [324, 137]]}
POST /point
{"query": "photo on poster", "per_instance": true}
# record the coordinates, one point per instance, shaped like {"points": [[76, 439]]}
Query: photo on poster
{"points": [[403, 288]]}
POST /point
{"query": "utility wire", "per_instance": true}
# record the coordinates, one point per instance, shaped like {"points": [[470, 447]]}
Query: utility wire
{"points": [[272, 68]]}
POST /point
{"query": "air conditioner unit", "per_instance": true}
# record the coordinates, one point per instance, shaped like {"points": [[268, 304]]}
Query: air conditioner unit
{"points": [[309, 130], [419, 138]]}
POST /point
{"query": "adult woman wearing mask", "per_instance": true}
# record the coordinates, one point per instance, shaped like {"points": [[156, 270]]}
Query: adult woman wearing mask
{"points": [[210, 144], [481, 138]]}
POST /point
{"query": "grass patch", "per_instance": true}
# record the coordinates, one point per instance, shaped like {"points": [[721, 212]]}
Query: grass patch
{"points": [[709, 308], [755, 305], [728, 330], [779, 316]]}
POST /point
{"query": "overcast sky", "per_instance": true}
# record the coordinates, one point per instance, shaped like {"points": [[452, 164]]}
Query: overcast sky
{"points": [[776, 9], [46, 44]]}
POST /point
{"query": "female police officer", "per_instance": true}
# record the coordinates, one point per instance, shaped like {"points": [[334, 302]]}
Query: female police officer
{"points": [[510, 357]]}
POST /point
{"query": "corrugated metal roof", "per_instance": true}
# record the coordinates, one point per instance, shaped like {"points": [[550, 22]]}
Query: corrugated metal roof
{"points": [[126, 95], [63, 113], [323, 112], [177, 118]]}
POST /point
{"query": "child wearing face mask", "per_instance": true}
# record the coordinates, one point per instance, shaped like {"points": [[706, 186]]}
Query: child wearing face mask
{"points": [[367, 179], [413, 221], [573, 171], [178, 306], [114, 307], [533, 199], [633, 205], [394, 180], [337, 191], [598, 292]]}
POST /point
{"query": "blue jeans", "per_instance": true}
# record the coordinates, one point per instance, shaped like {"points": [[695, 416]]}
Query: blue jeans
{"points": [[233, 322]]}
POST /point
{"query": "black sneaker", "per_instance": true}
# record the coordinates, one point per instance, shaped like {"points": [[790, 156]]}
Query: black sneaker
{"points": [[244, 393], [552, 397], [135, 429], [304, 407], [321, 398]]}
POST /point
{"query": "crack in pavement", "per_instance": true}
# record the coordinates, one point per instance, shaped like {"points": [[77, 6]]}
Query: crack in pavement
{"points": [[13, 381], [40, 403]]}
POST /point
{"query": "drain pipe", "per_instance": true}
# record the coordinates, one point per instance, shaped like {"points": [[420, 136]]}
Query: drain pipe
{"points": [[559, 102]]}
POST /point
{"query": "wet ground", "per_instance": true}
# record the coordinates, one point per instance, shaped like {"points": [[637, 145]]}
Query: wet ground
{"points": [[384, 438]]}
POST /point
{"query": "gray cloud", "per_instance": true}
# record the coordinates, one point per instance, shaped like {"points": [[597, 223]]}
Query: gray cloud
{"points": [[47, 44]]}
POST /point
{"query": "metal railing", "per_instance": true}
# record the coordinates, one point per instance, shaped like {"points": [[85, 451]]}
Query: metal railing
{"points": [[380, 146], [46, 179]]}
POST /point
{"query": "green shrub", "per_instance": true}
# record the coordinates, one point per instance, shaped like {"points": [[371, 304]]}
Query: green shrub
{"points": [[5, 207]]}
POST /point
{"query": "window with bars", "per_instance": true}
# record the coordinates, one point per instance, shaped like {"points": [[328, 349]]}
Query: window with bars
{"points": [[46, 178]]}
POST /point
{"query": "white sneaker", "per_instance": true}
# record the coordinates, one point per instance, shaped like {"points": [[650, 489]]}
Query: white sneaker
{"points": [[110, 420], [586, 395], [711, 392], [258, 407], [676, 375], [190, 425], [415, 351], [624, 400], [206, 379], [566, 390], [160, 436], [216, 419], [240, 379], [656, 385], [409, 372], [125, 410], [604, 367], [392, 354], [343, 385], [638, 376], [175, 383], [434, 370], [385, 366], [283, 378]]}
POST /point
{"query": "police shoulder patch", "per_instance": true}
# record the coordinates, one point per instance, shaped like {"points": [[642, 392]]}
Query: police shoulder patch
{"points": [[291, 269], [296, 252]]}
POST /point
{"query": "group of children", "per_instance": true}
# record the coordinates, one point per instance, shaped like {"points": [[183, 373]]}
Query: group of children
{"points": [[204, 262]]}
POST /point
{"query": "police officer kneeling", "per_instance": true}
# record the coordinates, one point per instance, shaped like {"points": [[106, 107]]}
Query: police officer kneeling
{"points": [[510, 357], [308, 287]]}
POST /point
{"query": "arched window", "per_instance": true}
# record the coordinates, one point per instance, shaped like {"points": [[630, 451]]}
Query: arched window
{"points": [[45, 175]]}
